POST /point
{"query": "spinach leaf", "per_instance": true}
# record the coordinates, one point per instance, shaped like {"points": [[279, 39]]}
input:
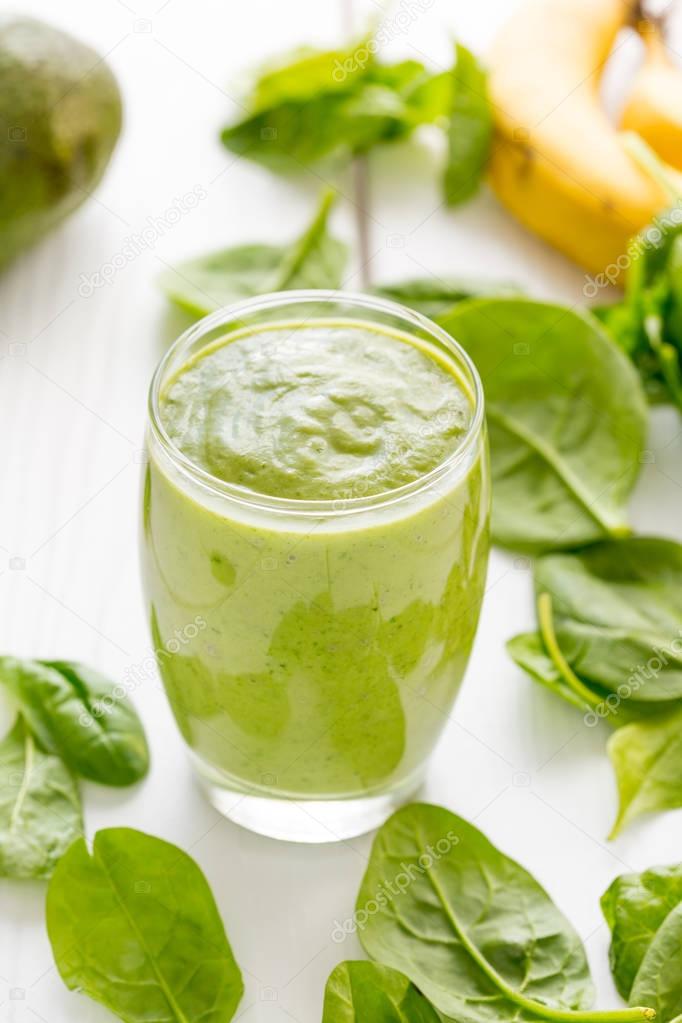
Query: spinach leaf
{"points": [[610, 642], [361, 992], [644, 914], [610, 635], [647, 759], [40, 809], [314, 260], [80, 716], [471, 129], [618, 615], [529, 652], [646, 751], [647, 323], [567, 418], [334, 104], [540, 655], [470, 928], [435, 296], [134, 926], [659, 978]]}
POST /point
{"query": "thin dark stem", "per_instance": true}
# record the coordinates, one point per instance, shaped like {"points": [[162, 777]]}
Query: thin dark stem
{"points": [[641, 14], [361, 191], [360, 178]]}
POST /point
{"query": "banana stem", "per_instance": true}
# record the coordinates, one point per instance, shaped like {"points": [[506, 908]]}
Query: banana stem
{"points": [[642, 17]]}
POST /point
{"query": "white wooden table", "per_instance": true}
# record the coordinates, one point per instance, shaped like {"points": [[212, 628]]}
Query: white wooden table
{"points": [[74, 372]]}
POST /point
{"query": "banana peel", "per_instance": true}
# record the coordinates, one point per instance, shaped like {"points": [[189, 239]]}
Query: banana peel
{"points": [[557, 162], [653, 108]]}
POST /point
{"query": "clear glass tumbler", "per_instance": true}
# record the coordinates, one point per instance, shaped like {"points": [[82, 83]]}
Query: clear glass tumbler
{"points": [[311, 650]]}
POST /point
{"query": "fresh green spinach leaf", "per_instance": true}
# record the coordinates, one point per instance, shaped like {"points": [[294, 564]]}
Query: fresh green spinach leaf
{"points": [[622, 323], [610, 634], [647, 759], [646, 751], [436, 296], [617, 610], [361, 992], [541, 656], [470, 927], [530, 653], [79, 715], [134, 925], [471, 129], [659, 978], [610, 642], [647, 323], [305, 72], [644, 914], [334, 104], [314, 260], [40, 809], [567, 418]]}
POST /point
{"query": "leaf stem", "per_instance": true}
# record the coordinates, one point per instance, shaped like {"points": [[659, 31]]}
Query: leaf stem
{"points": [[24, 788], [359, 165], [297, 254], [546, 623], [361, 189], [564, 472], [539, 1009], [635, 1015]]}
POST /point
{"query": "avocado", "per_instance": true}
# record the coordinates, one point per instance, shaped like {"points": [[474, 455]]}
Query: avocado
{"points": [[60, 117]]}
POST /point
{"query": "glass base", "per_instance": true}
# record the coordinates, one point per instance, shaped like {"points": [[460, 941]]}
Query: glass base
{"points": [[305, 820]]}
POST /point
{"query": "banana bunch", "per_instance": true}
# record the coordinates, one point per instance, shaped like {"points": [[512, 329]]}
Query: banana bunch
{"points": [[558, 163]]}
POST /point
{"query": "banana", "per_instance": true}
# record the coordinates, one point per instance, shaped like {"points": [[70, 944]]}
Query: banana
{"points": [[654, 106], [557, 163]]}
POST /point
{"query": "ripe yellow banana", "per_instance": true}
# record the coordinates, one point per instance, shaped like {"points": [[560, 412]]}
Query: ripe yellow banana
{"points": [[654, 106], [557, 162]]}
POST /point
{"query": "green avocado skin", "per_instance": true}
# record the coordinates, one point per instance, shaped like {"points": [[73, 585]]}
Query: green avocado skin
{"points": [[60, 117]]}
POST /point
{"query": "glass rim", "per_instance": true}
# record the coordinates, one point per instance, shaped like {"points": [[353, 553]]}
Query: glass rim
{"points": [[326, 507]]}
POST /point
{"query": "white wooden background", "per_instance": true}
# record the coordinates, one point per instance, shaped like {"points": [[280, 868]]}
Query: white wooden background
{"points": [[74, 372]]}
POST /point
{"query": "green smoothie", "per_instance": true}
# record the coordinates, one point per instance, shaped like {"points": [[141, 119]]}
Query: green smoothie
{"points": [[314, 651]]}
